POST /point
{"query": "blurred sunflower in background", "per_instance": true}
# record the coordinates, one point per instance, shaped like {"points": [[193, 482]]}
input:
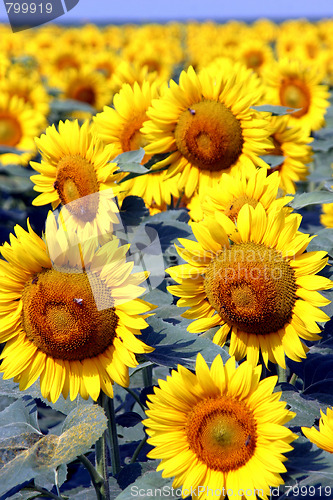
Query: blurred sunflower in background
{"points": [[207, 125], [296, 84], [27, 86], [326, 217], [132, 72], [69, 314], [262, 288], [254, 53], [19, 124], [220, 429], [84, 85]]}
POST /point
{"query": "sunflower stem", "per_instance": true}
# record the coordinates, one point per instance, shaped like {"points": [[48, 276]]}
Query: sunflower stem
{"points": [[138, 449], [96, 479], [136, 397], [103, 492], [43, 491], [113, 436], [282, 374], [293, 379], [147, 373]]}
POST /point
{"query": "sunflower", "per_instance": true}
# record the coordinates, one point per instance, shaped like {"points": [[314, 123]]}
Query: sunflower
{"points": [[295, 84], [207, 125], [72, 320], [292, 143], [261, 288], [27, 86], [324, 437], [76, 171], [326, 218], [220, 429], [85, 85], [255, 54], [60, 58], [19, 124], [105, 62], [234, 191], [131, 72], [121, 126]]}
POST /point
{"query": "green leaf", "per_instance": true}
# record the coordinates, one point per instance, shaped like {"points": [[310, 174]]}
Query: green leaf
{"points": [[323, 145], [9, 149], [132, 159], [150, 485], [130, 162], [81, 429], [174, 345], [69, 106], [322, 170], [308, 466], [85, 493], [307, 409], [15, 184], [16, 170], [65, 406], [273, 160], [275, 110], [322, 241], [51, 477], [314, 198], [19, 412]]}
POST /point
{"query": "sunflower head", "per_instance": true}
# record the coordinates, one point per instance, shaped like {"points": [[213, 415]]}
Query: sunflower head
{"points": [[292, 143], [19, 124], [261, 288], [219, 428], [76, 171], [74, 317], [297, 84], [247, 186], [207, 125]]}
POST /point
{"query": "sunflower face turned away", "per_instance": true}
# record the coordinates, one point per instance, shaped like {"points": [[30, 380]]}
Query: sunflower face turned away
{"points": [[261, 288], [70, 314], [220, 429], [207, 125]]}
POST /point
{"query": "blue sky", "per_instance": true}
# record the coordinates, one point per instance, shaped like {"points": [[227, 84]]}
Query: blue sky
{"points": [[163, 10]]}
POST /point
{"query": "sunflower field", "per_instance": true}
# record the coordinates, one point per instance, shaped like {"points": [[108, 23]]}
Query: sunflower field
{"points": [[166, 201]]}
